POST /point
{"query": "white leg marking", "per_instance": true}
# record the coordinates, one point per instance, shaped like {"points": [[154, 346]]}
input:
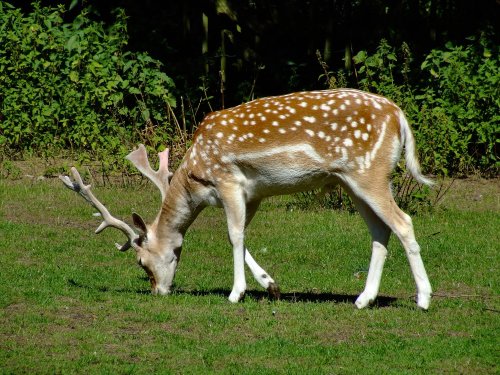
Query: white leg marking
{"points": [[379, 254], [234, 206], [424, 289], [380, 237], [261, 276]]}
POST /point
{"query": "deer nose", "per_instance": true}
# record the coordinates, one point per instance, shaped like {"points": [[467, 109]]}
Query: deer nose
{"points": [[160, 291]]}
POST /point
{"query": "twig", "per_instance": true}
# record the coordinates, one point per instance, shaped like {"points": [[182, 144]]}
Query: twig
{"points": [[222, 87], [204, 89], [324, 66], [183, 116], [445, 295], [182, 135], [494, 310], [440, 196], [193, 113], [254, 83]]}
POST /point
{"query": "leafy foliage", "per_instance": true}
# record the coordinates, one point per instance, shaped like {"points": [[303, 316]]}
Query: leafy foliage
{"points": [[461, 106], [454, 106], [73, 85]]}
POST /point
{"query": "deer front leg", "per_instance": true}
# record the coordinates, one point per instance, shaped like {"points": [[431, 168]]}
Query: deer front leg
{"points": [[235, 208], [260, 275]]}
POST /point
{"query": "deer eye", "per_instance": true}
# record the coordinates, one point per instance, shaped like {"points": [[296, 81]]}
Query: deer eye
{"points": [[141, 240]]}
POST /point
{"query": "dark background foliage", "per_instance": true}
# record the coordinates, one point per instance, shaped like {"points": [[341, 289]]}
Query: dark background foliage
{"points": [[438, 59], [282, 37]]}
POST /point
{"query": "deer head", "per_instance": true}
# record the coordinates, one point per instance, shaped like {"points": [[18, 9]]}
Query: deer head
{"points": [[158, 264]]}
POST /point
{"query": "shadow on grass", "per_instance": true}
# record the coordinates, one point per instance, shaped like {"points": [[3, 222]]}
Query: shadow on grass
{"points": [[257, 295], [296, 297]]}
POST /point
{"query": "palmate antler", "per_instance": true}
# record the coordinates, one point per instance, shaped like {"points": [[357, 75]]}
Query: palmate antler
{"points": [[109, 221], [160, 178]]}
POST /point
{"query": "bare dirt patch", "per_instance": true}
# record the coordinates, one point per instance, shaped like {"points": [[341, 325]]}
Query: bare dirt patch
{"points": [[473, 194]]}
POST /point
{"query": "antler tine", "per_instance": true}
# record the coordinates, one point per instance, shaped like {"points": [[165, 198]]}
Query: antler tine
{"points": [[108, 220], [160, 178], [166, 175]]}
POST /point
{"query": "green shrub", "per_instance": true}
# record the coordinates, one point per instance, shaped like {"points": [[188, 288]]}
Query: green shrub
{"points": [[74, 86], [462, 99], [454, 107]]}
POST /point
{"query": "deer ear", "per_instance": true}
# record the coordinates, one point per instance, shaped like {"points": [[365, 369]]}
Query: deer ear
{"points": [[139, 223]]}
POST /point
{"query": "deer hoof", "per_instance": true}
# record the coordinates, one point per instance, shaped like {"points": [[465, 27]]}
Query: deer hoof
{"points": [[423, 301], [274, 291], [364, 301], [236, 297]]}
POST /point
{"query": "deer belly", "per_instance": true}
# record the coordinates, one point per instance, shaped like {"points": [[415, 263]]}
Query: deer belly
{"points": [[283, 180], [285, 170], [282, 169]]}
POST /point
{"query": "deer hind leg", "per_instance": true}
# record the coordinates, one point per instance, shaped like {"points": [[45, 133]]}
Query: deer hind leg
{"points": [[404, 231], [383, 205], [260, 275], [380, 233], [401, 225]]}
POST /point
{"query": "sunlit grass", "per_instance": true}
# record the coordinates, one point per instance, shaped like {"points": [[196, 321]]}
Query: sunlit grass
{"points": [[71, 303]]}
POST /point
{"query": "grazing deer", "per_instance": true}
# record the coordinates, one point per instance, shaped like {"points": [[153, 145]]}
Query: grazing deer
{"points": [[272, 146]]}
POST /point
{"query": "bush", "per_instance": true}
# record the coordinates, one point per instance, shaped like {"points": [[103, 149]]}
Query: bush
{"points": [[453, 103], [74, 86], [460, 106], [454, 106]]}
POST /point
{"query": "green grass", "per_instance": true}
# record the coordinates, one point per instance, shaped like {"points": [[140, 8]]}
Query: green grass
{"points": [[71, 303]]}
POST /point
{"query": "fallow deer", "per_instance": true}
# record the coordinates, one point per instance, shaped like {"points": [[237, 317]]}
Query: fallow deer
{"points": [[272, 146]]}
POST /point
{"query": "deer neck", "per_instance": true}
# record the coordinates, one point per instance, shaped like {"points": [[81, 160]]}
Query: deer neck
{"points": [[180, 207]]}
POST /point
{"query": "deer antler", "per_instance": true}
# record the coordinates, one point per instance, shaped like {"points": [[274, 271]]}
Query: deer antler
{"points": [[160, 178], [109, 221]]}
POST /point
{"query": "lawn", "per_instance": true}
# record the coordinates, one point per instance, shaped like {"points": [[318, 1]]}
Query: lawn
{"points": [[71, 303]]}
